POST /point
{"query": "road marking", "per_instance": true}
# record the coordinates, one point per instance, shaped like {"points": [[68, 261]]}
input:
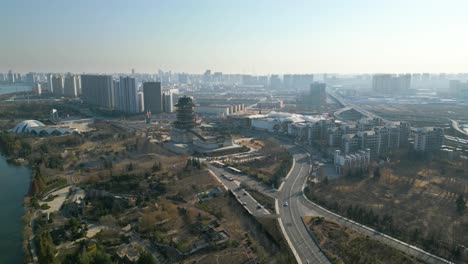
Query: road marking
{"points": [[377, 235], [312, 250], [218, 179], [287, 175], [298, 259]]}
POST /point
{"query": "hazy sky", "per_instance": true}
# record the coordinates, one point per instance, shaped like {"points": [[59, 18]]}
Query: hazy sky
{"points": [[234, 36]]}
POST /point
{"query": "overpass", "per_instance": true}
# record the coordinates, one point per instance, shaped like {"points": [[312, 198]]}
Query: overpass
{"points": [[458, 131], [346, 104]]}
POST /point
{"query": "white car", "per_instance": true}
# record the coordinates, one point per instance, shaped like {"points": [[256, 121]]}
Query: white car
{"points": [[285, 204]]}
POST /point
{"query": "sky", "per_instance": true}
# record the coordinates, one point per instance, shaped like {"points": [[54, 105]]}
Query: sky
{"points": [[242, 36]]}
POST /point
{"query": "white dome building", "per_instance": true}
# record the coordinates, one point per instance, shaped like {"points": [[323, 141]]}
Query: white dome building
{"points": [[26, 125], [38, 128]]}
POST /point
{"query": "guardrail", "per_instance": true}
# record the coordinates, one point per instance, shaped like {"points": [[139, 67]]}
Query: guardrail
{"points": [[283, 230], [316, 240], [391, 239], [237, 198], [435, 258]]}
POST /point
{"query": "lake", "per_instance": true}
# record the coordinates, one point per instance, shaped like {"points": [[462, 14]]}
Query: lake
{"points": [[14, 184], [12, 88]]}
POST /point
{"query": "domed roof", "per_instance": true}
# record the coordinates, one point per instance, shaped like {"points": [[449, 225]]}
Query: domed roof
{"points": [[25, 125]]}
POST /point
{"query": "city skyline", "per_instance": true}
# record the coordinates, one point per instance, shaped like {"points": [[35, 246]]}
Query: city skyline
{"points": [[258, 37]]}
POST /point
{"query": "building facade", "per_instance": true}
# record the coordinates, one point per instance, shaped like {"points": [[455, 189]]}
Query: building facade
{"points": [[388, 83], [168, 102], [345, 164], [428, 139], [126, 96], [57, 84], [317, 94], [153, 97], [98, 90], [70, 86]]}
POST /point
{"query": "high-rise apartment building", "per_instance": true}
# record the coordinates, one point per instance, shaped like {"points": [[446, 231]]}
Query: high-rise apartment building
{"points": [[18, 77], [37, 89], [317, 94], [217, 77], [297, 81], [141, 102], [30, 78], [183, 78], [118, 95], [275, 82], [388, 83], [125, 96], [57, 83], [428, 139], [207, 76], [168, 103], [70, 87], [98, 90], [11, 76], [458, 89], [50, 85], [152, 94]]}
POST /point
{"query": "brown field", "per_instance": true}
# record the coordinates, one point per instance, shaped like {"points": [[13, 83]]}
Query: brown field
{"points": [[264, 169], [420, 197], [343, 245]]}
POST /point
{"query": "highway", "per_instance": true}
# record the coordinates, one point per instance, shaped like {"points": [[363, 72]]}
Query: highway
{"points": [[297, 236], [346, 103], [307, 251], [459, 131], [293, 192], [290, 215]]}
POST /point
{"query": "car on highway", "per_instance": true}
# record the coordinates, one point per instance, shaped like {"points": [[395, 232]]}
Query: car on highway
{"points": [[285, 204]]}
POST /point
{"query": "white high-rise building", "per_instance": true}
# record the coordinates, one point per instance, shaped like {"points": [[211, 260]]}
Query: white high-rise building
{"points": [[50, 86], [70, 87], [168, 102], [57, 83], [126, 96], [141, 102], [37, 89]]}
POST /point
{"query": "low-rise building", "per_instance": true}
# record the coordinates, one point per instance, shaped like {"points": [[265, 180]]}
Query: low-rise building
{"points": [[370, 140], [218, 110], [350, 143], [271, 104], [345, 163], [428, 139]]}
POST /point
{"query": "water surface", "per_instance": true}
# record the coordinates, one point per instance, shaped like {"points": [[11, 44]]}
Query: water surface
{"points": [[14, 183]]}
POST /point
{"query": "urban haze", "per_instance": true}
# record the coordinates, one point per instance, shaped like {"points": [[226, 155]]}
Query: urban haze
{"points": [[233, 132]]}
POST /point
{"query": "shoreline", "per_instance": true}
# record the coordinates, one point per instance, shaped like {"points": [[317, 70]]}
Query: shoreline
{"points": [[26, 210], [5, 96], [26, 224]]}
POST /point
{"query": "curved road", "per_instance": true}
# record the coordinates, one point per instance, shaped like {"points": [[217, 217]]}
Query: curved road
{"points": [[294, 230], [290, 191]]}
